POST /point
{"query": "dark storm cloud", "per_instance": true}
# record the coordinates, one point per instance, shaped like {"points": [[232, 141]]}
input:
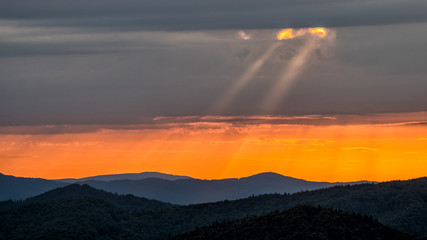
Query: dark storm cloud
{"points": [[213, 14], [115, 62], [11, 49], [183, 74]]}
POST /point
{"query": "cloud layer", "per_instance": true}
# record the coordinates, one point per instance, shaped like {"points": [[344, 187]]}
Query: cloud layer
{"points": [[218, 14], [107, 62], [227, 124]]}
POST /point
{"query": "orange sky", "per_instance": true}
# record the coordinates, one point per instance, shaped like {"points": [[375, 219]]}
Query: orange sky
{"points": [[221, 149]]}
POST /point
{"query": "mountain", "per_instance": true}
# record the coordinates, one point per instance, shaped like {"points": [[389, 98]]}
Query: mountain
{"points": [[398, 204], [167, 188], [269, 182], [300, 222], [75, 191], [192, 191], [70, 218], [20, 188], [125, 176]]}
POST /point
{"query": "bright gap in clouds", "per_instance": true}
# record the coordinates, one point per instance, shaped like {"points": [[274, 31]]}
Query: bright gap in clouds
{"points": [[312, 37]]}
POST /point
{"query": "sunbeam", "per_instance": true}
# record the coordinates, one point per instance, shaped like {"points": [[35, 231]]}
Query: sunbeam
{"points": [[287, 77], [220, 105], [296, 65]]}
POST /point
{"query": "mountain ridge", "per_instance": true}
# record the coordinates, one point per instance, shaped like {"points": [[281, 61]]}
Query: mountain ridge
{"points": [[18, 188], [174, 189], [299, 222], [193, 191], [398, 204], [127, 176], [126, 202]]}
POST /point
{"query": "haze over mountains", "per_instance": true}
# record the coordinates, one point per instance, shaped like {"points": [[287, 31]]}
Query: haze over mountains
{"points": [[167, 188]]}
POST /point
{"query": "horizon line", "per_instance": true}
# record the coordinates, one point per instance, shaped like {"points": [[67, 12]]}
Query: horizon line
{"points": [[209, 179]]}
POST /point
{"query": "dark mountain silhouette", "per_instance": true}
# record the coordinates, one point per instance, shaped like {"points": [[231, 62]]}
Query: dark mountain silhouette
{"points": [[88, 218], [127, 202], [183, 190], [126, 176], [70, 218], [398, 204], [20, 188], [301, 222], [191, 191]]}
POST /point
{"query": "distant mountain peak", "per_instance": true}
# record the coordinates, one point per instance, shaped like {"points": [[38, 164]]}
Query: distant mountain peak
{"points": [[269, 174]]}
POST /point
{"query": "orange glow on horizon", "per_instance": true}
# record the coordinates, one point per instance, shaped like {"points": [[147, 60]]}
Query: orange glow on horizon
{"points": [[213, 150]]}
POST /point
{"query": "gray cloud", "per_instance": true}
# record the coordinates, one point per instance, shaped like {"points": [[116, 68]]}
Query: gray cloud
{"points": [[218, 14], [224, 122], [137, 76], [109, 62]]}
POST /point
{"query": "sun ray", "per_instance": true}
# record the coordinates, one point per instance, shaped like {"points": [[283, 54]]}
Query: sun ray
{"points": [[288, 76], [243, 80]]}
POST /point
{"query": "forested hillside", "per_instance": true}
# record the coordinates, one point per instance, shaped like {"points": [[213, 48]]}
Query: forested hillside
{"points": [[301, 222], [63, 212]]}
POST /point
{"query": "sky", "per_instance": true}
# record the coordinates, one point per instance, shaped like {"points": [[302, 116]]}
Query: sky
{"points": [[207, 89]]}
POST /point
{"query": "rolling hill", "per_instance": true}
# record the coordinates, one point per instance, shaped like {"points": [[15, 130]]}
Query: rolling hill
{"points": [[300, 222], [398, 204], [76, 191]]}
